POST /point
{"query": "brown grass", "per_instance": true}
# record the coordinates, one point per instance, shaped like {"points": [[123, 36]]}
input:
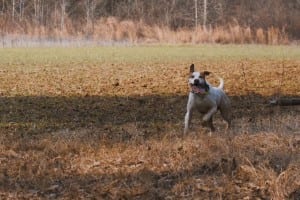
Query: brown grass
{"points": [[114, 131], [113, 30]]}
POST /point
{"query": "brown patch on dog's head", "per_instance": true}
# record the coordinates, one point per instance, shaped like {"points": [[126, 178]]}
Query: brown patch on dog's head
{"points": [[192, 68], [205, 73]]}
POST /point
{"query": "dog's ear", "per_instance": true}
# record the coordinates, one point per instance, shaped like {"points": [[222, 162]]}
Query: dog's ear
{"points": [[206, 73], [192, 68]]}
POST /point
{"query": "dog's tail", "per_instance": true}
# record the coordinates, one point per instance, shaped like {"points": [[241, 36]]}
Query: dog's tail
{"points": [[221, 86]]}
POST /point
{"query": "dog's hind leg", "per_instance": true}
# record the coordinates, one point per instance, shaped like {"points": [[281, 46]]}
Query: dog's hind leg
{"points": [[209, 124], [226, 114]]}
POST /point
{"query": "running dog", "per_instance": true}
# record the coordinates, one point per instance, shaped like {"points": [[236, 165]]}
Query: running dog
{"points": [[206, 99]]}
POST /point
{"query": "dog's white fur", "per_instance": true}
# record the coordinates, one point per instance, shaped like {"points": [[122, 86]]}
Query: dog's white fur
{"points": [[208, 103]]}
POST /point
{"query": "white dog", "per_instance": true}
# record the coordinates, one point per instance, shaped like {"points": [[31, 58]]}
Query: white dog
{"points": [[206, 99]]}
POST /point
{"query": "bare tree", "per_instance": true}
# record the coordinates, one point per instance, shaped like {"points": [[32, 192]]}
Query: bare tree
{"points": [[196, 14], [36, 11], [90, 6], [21, 9], [41, 18], [63, 13], [204, 22], [13, 10], [2, 6], [204, 13]]}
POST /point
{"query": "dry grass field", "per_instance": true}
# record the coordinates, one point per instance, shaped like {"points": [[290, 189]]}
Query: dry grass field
{"points": [[107, 123]]}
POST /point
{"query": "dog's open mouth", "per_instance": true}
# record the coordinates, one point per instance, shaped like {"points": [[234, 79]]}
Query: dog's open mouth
{"points": [[198, 89]]}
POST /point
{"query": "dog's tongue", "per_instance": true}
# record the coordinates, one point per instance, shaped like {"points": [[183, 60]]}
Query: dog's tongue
{"points": [[198, 90]]}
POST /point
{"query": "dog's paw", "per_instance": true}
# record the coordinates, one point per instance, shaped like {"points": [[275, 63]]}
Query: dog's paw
{"points": [[206, 118]]}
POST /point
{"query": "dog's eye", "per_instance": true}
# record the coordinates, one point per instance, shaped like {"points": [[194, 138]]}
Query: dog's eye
{"points": [[192, 76]]}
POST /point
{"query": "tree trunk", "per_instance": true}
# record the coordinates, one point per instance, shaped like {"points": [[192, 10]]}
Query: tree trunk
{"points": [[21, 9], [90, 6], [13, 10], [37, 11], [63, 12], [196, 14], [204, 13]]}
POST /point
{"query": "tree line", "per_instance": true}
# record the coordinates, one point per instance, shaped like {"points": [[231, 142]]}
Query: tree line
{"points": [[175, 14]]}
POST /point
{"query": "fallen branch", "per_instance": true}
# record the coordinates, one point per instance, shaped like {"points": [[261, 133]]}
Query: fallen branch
{"points": [[285, 102]]}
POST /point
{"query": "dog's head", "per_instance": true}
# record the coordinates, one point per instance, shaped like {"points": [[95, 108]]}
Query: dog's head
{"points": [[197, 80]]}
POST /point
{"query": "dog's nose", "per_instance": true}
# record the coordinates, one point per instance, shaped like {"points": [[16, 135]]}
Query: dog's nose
{"points": [[196, 81]]}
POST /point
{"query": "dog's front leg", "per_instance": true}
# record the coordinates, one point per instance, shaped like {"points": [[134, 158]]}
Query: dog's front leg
{"points": [[210, 113], [188, 115], [187, 121]]}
